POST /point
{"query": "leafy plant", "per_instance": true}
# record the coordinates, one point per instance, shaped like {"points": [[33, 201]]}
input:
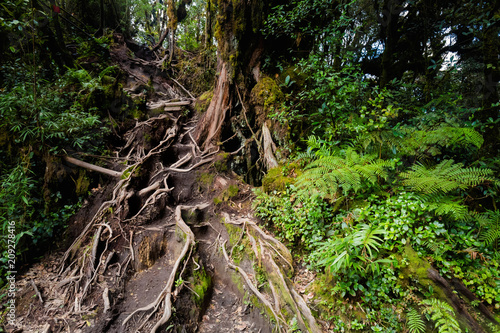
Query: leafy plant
{"points": [[442, 314], [301, 222], [355, 251], [445, 177], [349, 171], [415, 322], [490, 221]]}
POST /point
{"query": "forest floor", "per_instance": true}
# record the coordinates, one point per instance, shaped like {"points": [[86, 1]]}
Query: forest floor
{"points": [[172, 244]]}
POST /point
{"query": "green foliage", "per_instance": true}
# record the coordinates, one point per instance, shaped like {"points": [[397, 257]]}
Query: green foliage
{"points": [[54, 117], [490, 222], [352, 252], [415, 322], [442, 314], [350, 171], [301, 222], [416, 142], [445, 177]]}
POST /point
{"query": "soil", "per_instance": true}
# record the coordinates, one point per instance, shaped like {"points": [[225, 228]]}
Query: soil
{"points": [[125, 241]]}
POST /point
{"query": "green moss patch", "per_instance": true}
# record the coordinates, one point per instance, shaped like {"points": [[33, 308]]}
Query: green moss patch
{"points": [[202, 103]]}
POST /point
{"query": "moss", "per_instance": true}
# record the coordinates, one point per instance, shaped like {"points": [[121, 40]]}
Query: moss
{"points": [[275, 181], [417, 270], [205, 181], [240, 251], [136, 113], [220, 163], [267, 93], [278, 178], [202, 283], [82, 183], [230, 192], [203, 101]]}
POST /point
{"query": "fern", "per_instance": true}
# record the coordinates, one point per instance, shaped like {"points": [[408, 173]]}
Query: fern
{"points": [[443, 204], [328, 174], [410, 142], [442, 314], [415, 322], [490, 221], [445, 177], [415, 142]]}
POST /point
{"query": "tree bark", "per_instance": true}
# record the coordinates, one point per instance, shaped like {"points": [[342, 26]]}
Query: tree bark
{"points": [[209, 127]]}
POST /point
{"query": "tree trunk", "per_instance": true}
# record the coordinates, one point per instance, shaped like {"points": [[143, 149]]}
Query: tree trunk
{"points": [[208, 27], [389, 28], [489, 87], [209, 127]]}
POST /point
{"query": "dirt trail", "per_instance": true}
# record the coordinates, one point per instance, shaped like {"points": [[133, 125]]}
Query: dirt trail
{"points": [[169, 246]]}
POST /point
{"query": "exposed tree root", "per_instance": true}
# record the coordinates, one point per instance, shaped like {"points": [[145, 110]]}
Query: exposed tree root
{"points": [[166, 293], [95, 268], [254, 289], [282, 291]]}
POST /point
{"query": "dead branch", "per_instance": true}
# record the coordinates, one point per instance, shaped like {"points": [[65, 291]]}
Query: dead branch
{"points": [[105, 297], [269, 148], [92, 167], [37, 292], [159, 104]]}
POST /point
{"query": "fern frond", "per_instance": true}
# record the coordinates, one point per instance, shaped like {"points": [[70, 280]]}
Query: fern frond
{"points": [[443, 204], [407, 141], [415, 322], [490, 221], [415, 142], [328, 174], [444, 177], [442, 314]]}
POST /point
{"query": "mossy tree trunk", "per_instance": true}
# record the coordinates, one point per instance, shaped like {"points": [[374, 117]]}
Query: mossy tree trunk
{"points": [[429, 278], [237, 24]]}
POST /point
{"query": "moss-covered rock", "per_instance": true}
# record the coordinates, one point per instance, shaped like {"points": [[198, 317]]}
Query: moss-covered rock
{"points": [[277, 179]]}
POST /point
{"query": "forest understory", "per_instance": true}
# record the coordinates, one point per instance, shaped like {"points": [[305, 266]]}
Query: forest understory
{"points": [[169, 243], [250, 166]]}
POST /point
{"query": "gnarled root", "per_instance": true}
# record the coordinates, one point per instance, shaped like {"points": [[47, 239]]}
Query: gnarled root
{"points": [[166, 293], [286, 299]]}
